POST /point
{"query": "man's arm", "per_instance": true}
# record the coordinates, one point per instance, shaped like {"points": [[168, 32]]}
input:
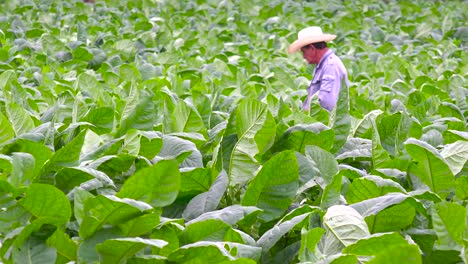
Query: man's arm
{"points": [[330, 86]]}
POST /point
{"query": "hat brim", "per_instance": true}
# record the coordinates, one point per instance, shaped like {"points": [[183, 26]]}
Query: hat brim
{"points": [[298, 44]]}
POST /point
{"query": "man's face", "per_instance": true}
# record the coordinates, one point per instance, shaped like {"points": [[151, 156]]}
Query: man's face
{"points": [[310, 54]]}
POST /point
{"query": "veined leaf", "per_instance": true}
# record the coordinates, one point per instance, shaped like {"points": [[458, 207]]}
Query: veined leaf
{"points": [[157, 185], [20, 119], [431, 167], [343, 226], [186, 119], [67, 156], [102, 210], [255, 129], [118, 250], [391, 212], [174, 147], [456, 155], [324, 161], [207, 201], [339, 118], [364, 126], [6, 130], [370, 186], [309, 242], [230, 215], [379, 154], [64, 245], [46, 201], [34, 251], [269, 239], [449, 224], [274, 187], [299, 136], [216, 252]]}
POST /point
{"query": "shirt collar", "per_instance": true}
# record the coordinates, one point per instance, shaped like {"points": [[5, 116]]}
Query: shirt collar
{"points": [[319, 65]]}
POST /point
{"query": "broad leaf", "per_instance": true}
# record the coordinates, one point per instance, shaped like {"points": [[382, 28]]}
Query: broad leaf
{"points": [[391, 212], [157, 185], [456, 155], [269, 239], [343, 226], [370, 186], [324, 161], [6, 130], [102, 210], [46, 201], [174, 147], [431, 167], [300, 136], [274, 187], [448, 220], [340, 120], [207, 201], [118, 250], [255, 129]]}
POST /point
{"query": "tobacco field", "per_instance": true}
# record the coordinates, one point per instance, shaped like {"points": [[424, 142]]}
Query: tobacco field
{"points": [[170, 131]]}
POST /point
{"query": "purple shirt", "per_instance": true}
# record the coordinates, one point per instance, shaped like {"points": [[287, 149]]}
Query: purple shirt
{"points": [[327, 81]]}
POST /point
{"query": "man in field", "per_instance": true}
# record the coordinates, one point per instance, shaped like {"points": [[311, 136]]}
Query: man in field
{"points": [[329, 70]]}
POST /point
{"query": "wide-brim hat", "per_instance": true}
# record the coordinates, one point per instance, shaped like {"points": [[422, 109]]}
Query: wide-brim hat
{"points": [[308, 36]]}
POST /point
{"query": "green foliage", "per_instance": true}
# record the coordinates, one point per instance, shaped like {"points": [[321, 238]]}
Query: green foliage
{"points": [[172, 131]]}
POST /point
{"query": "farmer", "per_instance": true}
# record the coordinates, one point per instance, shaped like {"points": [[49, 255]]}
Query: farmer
{"points": [[329, 70]]}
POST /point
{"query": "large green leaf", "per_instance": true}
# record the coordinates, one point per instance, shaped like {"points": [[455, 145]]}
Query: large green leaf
{"points": [[138, 112], [375, 244], [343, 226], [157, 185], [67, 156], [205, 230], [370, 186], [299, 136], [390, 212], [456, 155], [118, 250], [38, 150], [216, 252], [332, 192], [379, 154], [68, 178], [64, 245], [22, 172], [230, 215], [272, 236], [448, 220], [324, 161], [46, 201], [186, 119], [20, 119], [256, 131], [6, 130], [309, 242], [340, 120], [431, 167], [175, 147], [34, 251], [101, 210], [207, 201], [141, 225], [393, 131], [274, 187]]}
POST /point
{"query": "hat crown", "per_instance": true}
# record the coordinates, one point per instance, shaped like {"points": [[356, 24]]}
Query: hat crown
{"points": [[310, 32]]}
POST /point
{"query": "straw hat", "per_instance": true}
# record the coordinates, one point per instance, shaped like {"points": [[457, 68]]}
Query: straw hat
{"points": [[308, 36]]}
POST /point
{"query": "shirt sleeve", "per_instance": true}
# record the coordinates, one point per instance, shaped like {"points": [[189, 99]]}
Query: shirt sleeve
{"points": [[330, 85]]}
